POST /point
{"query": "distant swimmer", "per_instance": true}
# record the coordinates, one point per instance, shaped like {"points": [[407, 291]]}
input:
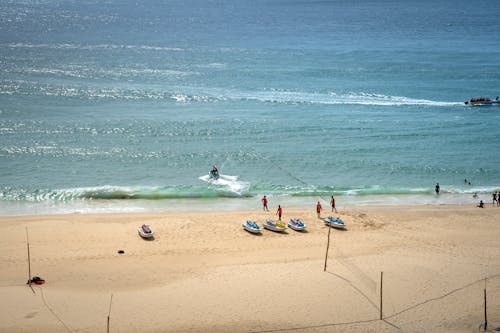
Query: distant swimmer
{"points": [[474, 195], [437, 188]]}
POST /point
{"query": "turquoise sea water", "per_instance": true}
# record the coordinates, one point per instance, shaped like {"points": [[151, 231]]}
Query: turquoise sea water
{"points": [[126, 105]]}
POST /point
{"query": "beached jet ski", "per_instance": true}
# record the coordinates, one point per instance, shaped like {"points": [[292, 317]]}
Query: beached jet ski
{"points": [[252, 227], [145, 231], [334, 222], [296, 224], [275, 225]]}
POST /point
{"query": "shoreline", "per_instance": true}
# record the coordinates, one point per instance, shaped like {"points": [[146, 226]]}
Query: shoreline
{"points": [[95, 206], [258, 210], [204, 273]]}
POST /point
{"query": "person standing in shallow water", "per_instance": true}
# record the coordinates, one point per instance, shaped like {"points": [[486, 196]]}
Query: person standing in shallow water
{"points": [[437, 188]]}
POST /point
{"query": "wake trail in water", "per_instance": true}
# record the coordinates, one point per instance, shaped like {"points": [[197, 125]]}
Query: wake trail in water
{"points": [[227, 182], [183, 95], [301, 97]]}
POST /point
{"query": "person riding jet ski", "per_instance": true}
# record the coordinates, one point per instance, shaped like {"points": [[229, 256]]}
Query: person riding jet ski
{"points": [[214, 173]]}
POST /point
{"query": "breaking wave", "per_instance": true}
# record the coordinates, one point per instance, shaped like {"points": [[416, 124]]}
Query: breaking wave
{"points": [[224, 189]]}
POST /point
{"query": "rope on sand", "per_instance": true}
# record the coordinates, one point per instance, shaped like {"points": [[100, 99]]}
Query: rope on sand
{"points": [[53, 312]]}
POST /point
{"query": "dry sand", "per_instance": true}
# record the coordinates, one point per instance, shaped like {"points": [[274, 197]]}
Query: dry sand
{"points": [[204, 273]]}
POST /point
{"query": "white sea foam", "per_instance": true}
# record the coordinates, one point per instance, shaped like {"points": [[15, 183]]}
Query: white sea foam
{"points": [[332, 98], [300, 97], [69, 46], [229, 183]]}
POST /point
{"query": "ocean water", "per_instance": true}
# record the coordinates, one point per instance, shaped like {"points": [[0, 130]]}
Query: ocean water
{"points": [[125, 105]]}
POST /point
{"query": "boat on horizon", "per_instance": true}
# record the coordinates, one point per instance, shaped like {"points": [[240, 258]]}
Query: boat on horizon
{"points": [[482, 101]]}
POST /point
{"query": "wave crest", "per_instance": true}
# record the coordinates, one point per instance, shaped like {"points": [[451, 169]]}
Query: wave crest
{"points": [[228, 188]]}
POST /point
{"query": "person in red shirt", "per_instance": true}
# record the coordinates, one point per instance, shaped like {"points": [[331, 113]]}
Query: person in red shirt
{"points": [[264, 203], [318, 209], [279, 212], [332, 202]]}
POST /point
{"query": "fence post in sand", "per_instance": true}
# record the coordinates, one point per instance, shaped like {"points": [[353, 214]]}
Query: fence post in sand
{"points": [[327, 246], [109, 312], [29, 260], [485, 311], [381, 288]]}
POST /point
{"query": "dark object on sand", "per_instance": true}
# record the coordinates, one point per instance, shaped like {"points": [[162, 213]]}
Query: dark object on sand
{"points": [[36, 280]]}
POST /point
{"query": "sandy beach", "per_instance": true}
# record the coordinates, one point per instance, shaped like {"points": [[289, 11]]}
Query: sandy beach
{"points": [[204, 273]]}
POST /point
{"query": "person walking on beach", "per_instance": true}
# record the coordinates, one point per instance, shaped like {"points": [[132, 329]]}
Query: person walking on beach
{"points": [[279, 212], [332, 203], [318, 209], [264, 204], [494, 195], [437, 188]]}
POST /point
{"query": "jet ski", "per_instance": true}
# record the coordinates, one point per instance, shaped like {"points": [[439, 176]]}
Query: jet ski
{"points": [[145, 231], [252, 227], [334, 222], [275, 225], [296, 224]]}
